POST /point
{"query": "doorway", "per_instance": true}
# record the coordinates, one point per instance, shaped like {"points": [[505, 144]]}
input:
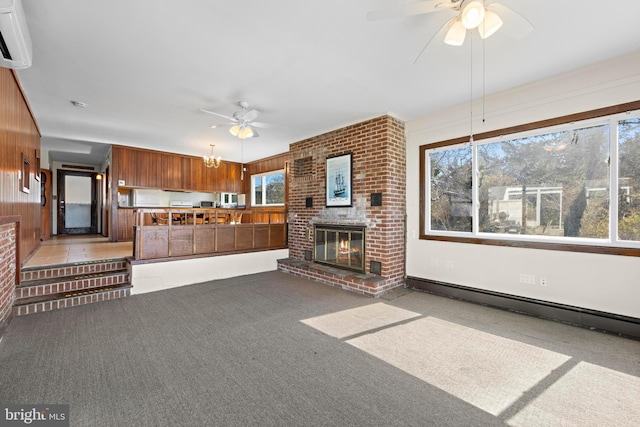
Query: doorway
{"points": [[77, 213]]}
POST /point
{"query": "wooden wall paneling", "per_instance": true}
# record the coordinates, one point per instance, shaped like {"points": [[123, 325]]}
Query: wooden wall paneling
{"points": [[112, 183], [269, 164], [19, 136], [125, 225]]}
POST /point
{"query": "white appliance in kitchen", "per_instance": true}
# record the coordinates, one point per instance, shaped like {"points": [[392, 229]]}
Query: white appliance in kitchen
{"points": [[146, 198]]}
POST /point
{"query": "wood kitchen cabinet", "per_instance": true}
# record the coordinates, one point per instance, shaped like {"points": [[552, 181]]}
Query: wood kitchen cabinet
{"points": [[140, 168]]}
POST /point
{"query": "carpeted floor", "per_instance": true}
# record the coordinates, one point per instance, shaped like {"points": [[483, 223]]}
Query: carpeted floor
{"points": [[275, 350]]}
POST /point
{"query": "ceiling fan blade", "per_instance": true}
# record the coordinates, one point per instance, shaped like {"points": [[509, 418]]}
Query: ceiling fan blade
{"points": [[439, 34], [224, 125], [260, 125], [250, 115], [218, 114], [515, 25], [416, 8]]}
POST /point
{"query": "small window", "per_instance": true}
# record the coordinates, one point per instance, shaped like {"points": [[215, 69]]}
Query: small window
{"points": [[268, 189]]}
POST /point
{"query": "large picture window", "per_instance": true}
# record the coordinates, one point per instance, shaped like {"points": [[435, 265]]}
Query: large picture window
{"points": [[268, 189], [576, 183]]}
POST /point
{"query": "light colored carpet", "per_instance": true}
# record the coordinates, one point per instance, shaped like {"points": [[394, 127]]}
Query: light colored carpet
{"points": [[357, 320], [587, 396], [486, 370]]}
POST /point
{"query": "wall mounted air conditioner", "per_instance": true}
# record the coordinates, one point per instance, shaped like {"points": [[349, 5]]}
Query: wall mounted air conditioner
{"points": [[15, 41]]}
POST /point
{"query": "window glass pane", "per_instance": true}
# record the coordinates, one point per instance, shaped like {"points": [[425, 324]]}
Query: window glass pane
{"points": [[451, 189], [629, 180], [257, 191], [554, 184], [275, 188]]}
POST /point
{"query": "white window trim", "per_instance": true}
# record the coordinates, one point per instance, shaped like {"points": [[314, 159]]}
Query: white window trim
{"points": [[264, 188]]}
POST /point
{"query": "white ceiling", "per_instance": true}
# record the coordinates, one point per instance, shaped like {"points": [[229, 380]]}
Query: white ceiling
{"points": [[146, 67]]}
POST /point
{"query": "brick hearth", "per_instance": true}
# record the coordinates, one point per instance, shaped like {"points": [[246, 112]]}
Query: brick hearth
{"points": [[379, 165]]}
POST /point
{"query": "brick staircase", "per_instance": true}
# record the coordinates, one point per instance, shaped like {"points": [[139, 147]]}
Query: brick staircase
{"points": [[67, 285]]}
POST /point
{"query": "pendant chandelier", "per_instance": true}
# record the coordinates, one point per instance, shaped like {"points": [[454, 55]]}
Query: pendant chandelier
{"points": [[211, 161]]}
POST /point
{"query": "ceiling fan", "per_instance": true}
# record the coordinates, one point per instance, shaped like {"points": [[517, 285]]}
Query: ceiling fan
{"points": [[470, 14], [243, 124]]}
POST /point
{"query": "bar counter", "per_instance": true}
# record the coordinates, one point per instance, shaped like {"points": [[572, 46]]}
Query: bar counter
{"points": [[161, 233]]}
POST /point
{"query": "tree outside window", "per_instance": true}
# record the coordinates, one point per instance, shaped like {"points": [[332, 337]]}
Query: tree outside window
{"points": [[557, 183]]}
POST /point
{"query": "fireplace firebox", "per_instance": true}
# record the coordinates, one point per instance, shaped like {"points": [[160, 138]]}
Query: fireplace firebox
{"points": [[340, 246]]}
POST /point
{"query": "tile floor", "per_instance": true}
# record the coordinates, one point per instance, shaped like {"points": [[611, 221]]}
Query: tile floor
{"points": [[63, 249]]}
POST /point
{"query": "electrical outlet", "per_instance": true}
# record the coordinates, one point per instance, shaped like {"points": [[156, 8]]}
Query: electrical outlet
{"points": [[529, 279], [543, 281], [435, 263], [448, 264]]}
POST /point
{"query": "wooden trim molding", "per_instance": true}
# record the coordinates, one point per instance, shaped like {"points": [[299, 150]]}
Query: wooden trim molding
{"points": [[586, 115]]}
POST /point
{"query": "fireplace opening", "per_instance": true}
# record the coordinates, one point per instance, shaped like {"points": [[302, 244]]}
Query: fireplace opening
{"points": [[340, 246]]}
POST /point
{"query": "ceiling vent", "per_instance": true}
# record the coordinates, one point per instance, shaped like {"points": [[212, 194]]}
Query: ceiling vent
{"points": [[15, 41]]}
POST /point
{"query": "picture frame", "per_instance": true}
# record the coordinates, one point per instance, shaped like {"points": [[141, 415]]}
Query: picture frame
{"points": [[36, 173], [24, 174], [339, 182]]}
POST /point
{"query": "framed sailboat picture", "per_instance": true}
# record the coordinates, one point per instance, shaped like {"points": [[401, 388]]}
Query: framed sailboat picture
{"points": [[338, 185]]}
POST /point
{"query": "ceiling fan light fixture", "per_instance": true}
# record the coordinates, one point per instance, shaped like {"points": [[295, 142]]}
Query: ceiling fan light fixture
{"points": [[456, 34], [490, 24], [472, 15], [235, 130], [245, 132]]}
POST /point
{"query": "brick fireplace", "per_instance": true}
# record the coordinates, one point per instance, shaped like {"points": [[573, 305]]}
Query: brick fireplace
{"points": [[378, 151], [341, 246]]}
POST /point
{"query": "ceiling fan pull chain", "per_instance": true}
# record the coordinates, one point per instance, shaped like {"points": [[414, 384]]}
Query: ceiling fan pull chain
{"points": [[471, 90]]}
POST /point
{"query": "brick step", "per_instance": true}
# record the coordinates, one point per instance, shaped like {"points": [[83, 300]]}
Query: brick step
{"points": [[40, 303], [66, 284], [29, 274]]}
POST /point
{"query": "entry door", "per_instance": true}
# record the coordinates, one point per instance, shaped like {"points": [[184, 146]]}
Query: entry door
{"points": [[76, 202]]}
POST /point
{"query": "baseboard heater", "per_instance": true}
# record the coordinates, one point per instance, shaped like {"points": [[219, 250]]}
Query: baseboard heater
{"points": [[592, 319]]}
